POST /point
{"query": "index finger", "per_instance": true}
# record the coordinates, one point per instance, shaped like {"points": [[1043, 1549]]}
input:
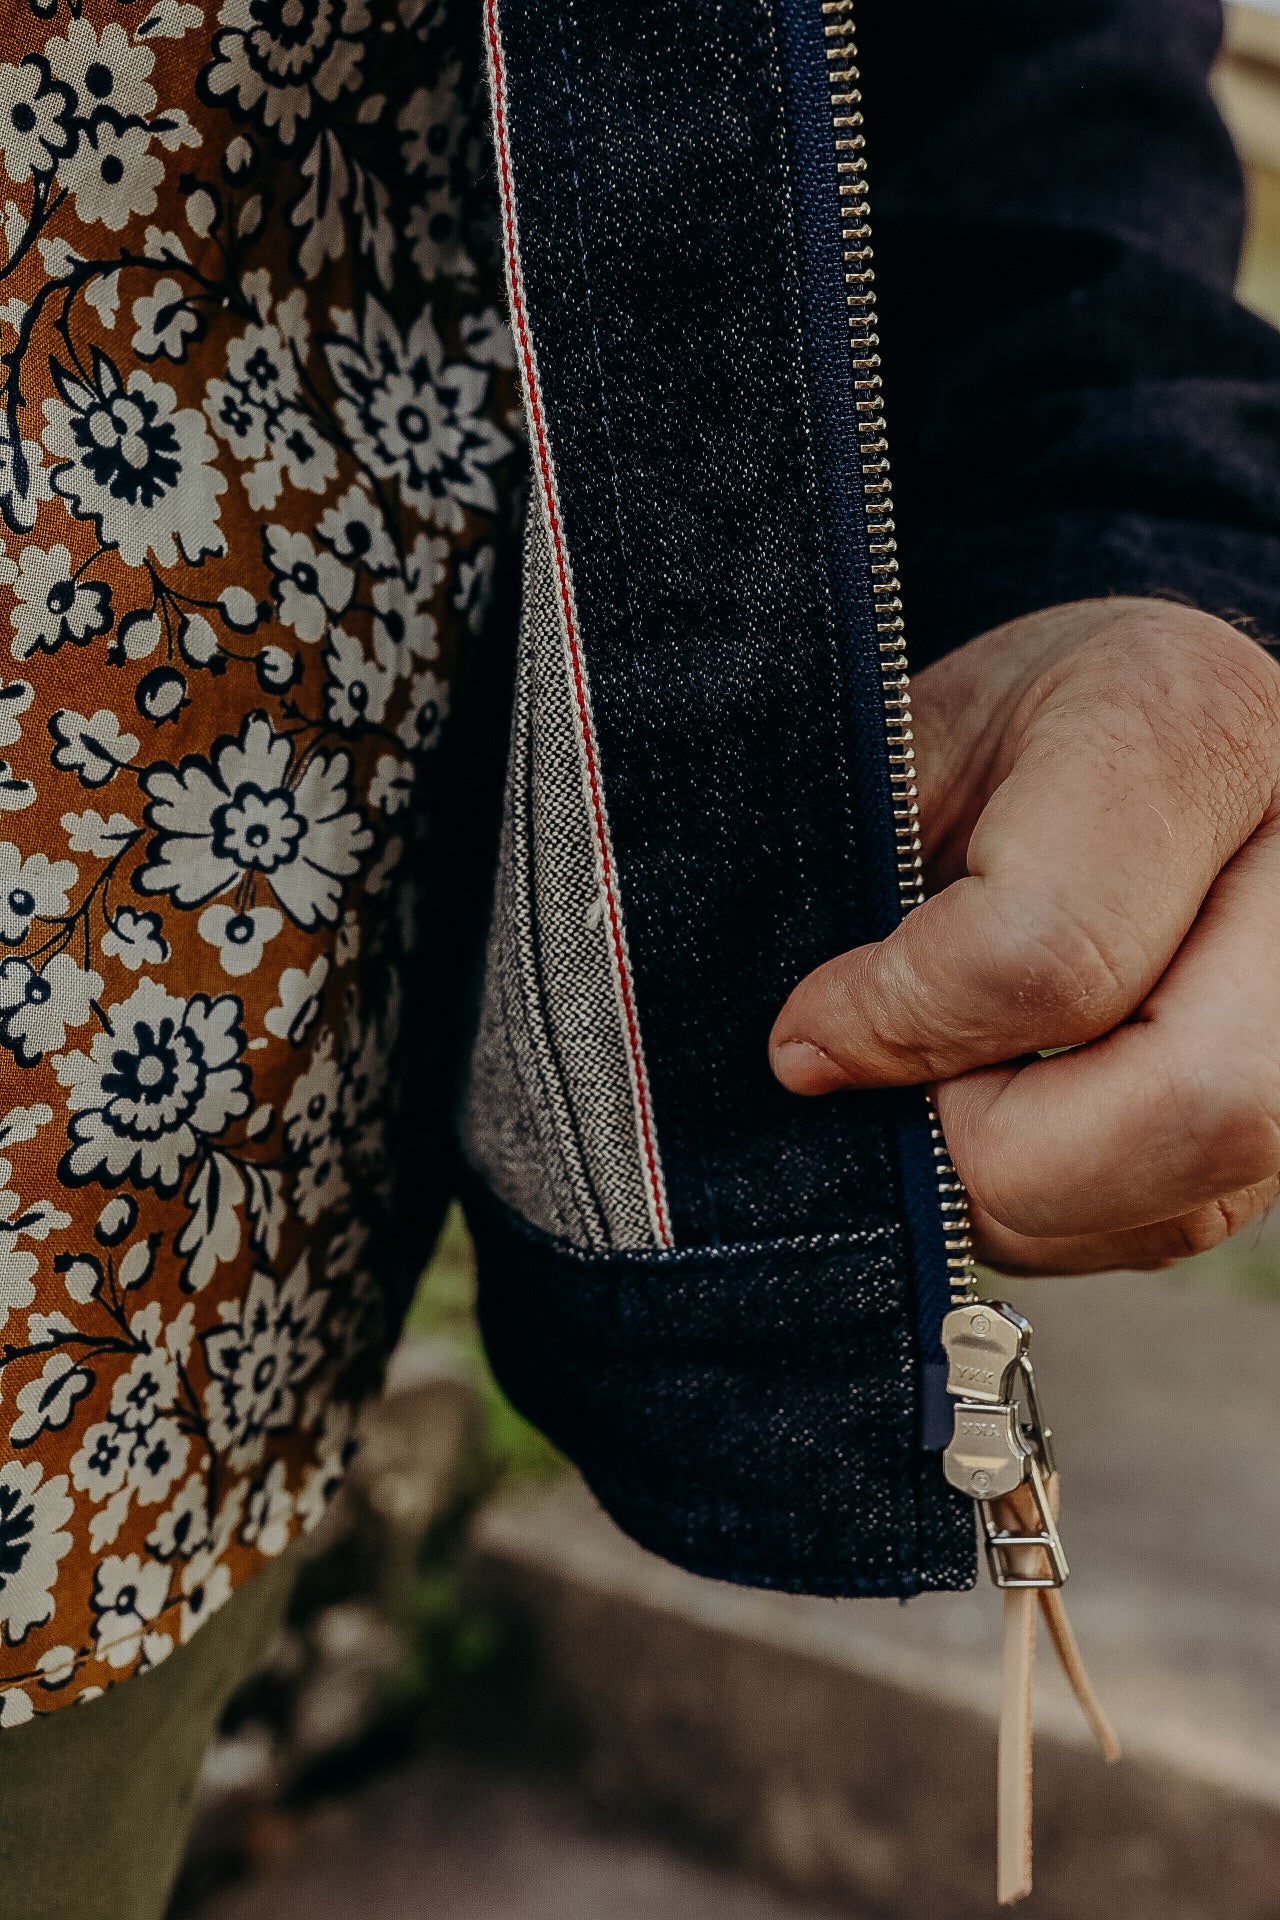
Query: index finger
{"points": [[1087, 868]]}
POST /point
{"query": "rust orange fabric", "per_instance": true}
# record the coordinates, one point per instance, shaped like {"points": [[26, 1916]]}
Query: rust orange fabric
{"points": [[256, 434]]}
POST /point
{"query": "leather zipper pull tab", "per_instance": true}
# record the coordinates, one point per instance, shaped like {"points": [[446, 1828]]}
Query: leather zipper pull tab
{"points": [[1001, 1454]]}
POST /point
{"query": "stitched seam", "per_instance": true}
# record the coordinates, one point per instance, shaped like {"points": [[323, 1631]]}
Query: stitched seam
{"points": [[586, 733]]}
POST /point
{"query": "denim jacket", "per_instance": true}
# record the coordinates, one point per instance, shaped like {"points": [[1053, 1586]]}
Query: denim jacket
{"points": [[723, 1302]]}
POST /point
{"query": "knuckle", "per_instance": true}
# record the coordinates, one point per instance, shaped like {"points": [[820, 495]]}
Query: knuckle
{"points": [[992, 1178], [1230, 1112], [1208, 1226], [1070, 983], [1198, 1232]]}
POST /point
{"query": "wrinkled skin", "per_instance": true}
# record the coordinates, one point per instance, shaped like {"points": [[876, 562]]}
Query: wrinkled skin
{"points": [[1100, 793]]}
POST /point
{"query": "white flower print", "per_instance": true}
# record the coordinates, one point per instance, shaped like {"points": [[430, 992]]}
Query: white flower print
{"points": [[33, 1514], [53, 604], [116, 1220], [353, 529], [128, 1594], [308, 586], [38, 1220], [164, 321], [31, 887], [239, 936], [24, 482], [261, 379], [358, 688], [275, 58], [335, 1447], [488, 339], [435, 232], [21, 1124], [140, 1450], [311, 1111], [268, 1512], [346, 946], [256, 409], [142, 1395], [321, 1182], [237, 420], [112, 174], [15, 1707], [136, 939], [433, 123], [247, 811], [16, 1290], [206, 1586], [101, 1464], [183, 1528], [248, 520], [302, 454], [49, 1401], [94, 748], [416, 418], [428, 705], [57, 1666], [300, 1001], [14, 794], [37, 1007], [473, 589], [263, 1351], [391, 788], [88, 832], [404, 626], [15, 697], [166, 1076], [169, 20], [104, 70], [34, 113], [136, 463]]}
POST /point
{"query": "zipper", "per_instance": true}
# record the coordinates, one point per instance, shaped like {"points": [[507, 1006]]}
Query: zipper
{"points": [[844, 86], [1000, 1441], [1000, 1450]]}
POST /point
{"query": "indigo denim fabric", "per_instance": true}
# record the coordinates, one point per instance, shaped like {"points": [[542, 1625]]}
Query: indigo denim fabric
{"points": [[678, 221], [739, 1410], [1076, 406]]}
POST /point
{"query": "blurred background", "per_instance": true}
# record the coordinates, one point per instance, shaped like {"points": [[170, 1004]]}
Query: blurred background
{"points": [[489, 1706]]}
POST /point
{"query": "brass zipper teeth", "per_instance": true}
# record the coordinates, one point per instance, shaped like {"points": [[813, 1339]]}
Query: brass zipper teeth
{"points": [[844, 82]]}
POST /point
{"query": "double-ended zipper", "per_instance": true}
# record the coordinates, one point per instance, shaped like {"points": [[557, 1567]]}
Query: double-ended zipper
{"points": [[1001, 1451], [844, 84]]}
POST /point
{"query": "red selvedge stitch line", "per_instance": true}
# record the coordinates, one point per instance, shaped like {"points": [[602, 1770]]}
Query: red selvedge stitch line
{"points": [[566, 601]]}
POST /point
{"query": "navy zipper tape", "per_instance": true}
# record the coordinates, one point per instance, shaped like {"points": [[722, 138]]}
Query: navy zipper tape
{"points": [[830, 377]]}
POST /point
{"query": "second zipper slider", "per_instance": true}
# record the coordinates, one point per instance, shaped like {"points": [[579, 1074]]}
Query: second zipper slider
{"points": [[1001, 1441]]}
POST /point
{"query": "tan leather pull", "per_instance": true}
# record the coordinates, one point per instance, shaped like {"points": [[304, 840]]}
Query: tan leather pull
{"points": [[1013, 1761], [1016, 1511], [1069, 1659]]}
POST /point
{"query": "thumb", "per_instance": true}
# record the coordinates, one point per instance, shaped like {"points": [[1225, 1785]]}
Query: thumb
{"points": [[1076, 902]]}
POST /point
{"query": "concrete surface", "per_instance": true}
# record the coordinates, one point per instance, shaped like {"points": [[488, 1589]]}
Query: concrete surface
{"points": [[849, 1748], [438, 1842]]}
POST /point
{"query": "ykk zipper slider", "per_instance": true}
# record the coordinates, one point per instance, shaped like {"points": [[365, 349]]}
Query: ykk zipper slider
{"points": [[1001, 1442]]}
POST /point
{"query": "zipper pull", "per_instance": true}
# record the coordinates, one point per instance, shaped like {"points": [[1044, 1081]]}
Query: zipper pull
{"points": [[1001, 1455], [1001, 1441]]}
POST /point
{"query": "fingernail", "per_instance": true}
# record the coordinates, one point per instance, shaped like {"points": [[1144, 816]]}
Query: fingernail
{"points": [[804, 1068]]}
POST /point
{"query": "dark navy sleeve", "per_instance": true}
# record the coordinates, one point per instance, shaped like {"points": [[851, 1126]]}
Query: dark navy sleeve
{"points": [[1077, 404]]}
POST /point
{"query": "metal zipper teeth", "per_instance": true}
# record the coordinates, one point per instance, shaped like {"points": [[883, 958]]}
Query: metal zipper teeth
{"points": [[843, 79]]}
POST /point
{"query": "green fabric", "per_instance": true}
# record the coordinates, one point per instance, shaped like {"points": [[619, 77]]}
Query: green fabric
{"points": [[96, 1800]]}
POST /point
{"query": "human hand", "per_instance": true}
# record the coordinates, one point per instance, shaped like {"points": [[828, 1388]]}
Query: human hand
{"points": [[1100, 799]]}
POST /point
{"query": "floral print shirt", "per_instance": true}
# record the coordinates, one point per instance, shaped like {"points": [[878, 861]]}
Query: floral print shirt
{"points": [[257, 430]]}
